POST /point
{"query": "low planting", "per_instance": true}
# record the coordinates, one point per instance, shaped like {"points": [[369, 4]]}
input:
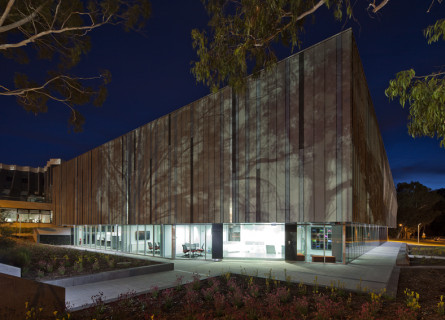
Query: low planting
{"points": [[233, 296], [45, 262], [426, 250]]}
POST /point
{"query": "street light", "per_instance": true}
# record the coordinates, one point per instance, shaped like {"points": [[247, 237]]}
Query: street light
{"points": [[418, 232]]}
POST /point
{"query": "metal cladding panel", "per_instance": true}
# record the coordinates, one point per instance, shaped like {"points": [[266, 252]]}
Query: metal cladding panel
{"points": [[271, 163], [281, 142], [102, 168], [218, 138], [263, 152], [164, 176], [372, 180], [319, 133], [70, 185], [204, 173], [198, 160], [178, 162], [294, 158], [174, 169], [196, 141], [308, 130], [212, 165], [240, 159], [346, 88], [251, 165], [330, 130], [95, 186], [226, 151], [185, 179]]}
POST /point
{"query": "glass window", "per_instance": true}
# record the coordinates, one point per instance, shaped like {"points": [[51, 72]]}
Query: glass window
{"points": [[254, 241]]}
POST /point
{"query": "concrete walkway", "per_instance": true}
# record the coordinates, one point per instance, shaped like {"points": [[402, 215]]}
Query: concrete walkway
{"points": [[375, 270]]}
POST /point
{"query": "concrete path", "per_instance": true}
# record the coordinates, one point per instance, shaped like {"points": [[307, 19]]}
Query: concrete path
{"points": [[371, 271]]}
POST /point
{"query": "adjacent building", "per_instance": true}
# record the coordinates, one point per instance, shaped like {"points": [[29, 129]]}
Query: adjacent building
{"points": [[292, 168], [25, 194]]}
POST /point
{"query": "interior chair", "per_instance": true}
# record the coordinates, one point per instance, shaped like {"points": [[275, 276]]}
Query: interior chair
{"points": [[150, 247], [157, 247], [199, 250], [185, 250]]}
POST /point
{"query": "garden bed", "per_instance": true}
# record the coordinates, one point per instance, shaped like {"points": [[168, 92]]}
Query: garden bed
{"points": [[45, 262], [426, 250], [234, 296]]}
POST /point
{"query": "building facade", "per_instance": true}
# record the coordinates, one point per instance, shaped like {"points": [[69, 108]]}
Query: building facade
{"points": [[25, 193], [293, 167]]}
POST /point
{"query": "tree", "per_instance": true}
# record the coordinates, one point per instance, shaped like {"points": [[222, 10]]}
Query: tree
{"points": [[425, 95], [416, 204], [243, 32], [58, 31], [437, 227]]}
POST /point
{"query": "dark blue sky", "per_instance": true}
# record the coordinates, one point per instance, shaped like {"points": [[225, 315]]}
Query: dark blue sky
{"points": [[151, 77]]}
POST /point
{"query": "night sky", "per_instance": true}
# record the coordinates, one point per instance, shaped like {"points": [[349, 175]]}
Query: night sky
{"points": [[151, 77]]}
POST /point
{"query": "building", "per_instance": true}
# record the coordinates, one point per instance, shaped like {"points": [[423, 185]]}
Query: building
{"points": [[25, 194], [292, 168]]}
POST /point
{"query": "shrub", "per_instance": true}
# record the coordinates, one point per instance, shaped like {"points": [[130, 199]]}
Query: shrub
{"points": [[196, 283], [41, 264], [155, 292], [327, 309], [300, 306], [405, 314], [167, 296], [412, 300], [61, 270], [178, 282], [5, 240], [441, 307], [49, 267], [96, 265], [236, 297], [207, 293], [254, 290], [21, 257], [219, 303], [231, 284], [192, 303]]}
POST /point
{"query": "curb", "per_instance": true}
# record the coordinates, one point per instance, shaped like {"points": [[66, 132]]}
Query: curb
{"points": [[111, 275]]}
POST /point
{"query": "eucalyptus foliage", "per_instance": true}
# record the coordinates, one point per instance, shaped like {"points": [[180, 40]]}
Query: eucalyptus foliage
{"points": [[425, 95], [242, 33], [58, 31]]}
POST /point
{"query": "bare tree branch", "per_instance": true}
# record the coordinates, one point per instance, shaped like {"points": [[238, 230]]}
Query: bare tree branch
{"points": [[376, 8], [300, 17], [47, 32], [22, 21], [55, 14], [64, 78], [6, 12]]}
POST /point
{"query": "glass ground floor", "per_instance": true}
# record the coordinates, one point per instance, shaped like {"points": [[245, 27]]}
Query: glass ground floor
{"points": [[315, 242]]}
